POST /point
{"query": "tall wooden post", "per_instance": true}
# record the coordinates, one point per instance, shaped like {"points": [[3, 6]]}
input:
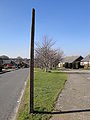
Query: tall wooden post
{"points": [[32, 63]]}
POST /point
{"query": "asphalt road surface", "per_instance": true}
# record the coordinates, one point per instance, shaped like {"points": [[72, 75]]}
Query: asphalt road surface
{"points": [[74, 100], [11, 85]]}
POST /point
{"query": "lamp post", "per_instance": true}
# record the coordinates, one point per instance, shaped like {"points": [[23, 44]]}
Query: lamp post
{"points": [[32, 63]]}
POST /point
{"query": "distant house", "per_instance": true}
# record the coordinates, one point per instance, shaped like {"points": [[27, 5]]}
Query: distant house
{"points": [[71, 62], [25, 64], [9, 64], [86, 61], [21, 63], [5, 60], [1, 62], [18, 62]]}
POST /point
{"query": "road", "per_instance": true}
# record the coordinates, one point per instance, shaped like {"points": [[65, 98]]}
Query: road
{"points": [[74, 99], [11, 85]]}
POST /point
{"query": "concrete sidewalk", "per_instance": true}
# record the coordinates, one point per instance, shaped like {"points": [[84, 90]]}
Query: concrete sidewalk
{"points": [[7, 70], [77, 71], [74, 97]]}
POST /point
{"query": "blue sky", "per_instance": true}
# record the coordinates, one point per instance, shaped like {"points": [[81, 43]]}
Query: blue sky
{"points": [[65, 21]]}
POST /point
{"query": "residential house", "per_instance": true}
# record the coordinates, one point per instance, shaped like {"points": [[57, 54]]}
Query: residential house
{"points": [[71, 62], [86, 61], [9, 64], [14, 62], [6, 62]]}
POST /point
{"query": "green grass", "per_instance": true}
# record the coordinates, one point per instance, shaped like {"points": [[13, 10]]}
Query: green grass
{"points": [[47, 86]]}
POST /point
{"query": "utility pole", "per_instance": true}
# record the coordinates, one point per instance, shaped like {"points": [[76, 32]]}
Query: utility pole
{"points": [[32, 63]]}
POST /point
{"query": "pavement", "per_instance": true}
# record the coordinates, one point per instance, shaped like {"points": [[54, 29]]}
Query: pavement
{"points": [[7, 70], [11, 85], [77, 71], [74, 101]]}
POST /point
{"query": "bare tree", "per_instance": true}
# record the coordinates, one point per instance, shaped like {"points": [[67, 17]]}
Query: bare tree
{"points": [[45, 55]]}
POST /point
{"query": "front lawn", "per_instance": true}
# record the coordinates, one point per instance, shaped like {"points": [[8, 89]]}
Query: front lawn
{"points": [[47, 86]]}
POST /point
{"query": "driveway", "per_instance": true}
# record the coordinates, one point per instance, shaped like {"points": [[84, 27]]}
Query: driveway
{"points": [[74, 99], [11, 85]]}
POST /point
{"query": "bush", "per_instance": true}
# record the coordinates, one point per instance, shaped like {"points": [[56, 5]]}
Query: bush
{"points": [[66, 65], [63, 65], [70, 65], [0, 69]]}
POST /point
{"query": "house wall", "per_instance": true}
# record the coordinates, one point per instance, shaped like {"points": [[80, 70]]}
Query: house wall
{"points": [[60, 65], [0, 62], [85, 63], [89, 64]]}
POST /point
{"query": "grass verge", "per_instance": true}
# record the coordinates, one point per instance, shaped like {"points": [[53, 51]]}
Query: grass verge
{"points": [[47, 86]]}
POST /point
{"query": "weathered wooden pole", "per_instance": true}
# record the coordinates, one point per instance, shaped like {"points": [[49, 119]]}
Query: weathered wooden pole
{"points": [[32, 63]]}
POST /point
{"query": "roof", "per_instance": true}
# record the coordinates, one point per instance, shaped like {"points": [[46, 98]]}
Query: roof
{"points": [[86, 59], [4, 57], [25, 62], [70, 59]]}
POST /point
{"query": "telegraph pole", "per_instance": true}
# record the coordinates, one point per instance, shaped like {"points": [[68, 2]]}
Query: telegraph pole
{"points": [[32, 63]]}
